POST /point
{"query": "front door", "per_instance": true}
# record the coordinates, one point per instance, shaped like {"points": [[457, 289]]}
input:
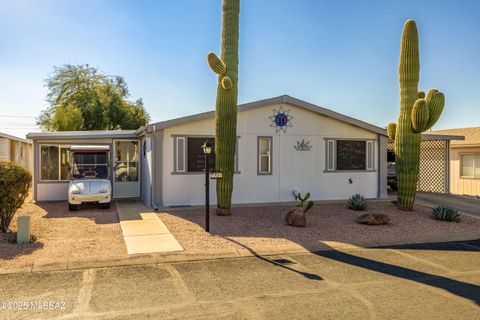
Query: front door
{"points": [[126, 173]]}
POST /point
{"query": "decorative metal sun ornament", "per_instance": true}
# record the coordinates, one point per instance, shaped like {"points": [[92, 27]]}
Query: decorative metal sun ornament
{"points": [[281, 119]]}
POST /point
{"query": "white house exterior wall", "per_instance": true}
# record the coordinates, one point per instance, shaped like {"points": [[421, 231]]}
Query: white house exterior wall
{"points": [[291, 169]]}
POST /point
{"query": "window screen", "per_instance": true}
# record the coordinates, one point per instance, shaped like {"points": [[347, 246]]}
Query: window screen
{"points": [[49, 162], [351, 155], [195, 156], [264, 155], [470, 165]]}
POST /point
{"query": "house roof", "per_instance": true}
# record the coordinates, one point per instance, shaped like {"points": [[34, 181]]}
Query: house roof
{"points": [[66, 135], [7, 136], [472, 136], [262, 103]]}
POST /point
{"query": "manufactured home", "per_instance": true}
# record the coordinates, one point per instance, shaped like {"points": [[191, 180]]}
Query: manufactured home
{"points": [[283, 144], [16, 149], [464, 161]]}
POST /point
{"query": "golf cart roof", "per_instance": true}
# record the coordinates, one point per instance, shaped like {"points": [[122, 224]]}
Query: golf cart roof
{"points": [[91, 148]]}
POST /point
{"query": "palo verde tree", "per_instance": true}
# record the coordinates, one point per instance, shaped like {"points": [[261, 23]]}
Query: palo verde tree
{"points": [[226, 68], [418, 113], [81, 98]]}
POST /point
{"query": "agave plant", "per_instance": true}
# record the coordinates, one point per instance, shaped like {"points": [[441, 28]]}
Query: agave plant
{"points": [[445, 213], [301, 201], [357, 202]]}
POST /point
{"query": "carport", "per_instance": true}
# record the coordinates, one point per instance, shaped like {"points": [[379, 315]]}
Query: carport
{"points": [[434, 162]]}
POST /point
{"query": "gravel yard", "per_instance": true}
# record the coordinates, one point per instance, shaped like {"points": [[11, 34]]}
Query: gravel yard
{"points": [[93, 233], [263, 227], [62, 235]]}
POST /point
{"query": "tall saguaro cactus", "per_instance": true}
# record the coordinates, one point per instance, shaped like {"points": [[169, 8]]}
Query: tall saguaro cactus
{"points": [[226, 68], [417, 114]]}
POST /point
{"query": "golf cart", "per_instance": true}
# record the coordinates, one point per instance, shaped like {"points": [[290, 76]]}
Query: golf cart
{"points": [[90, 177]]}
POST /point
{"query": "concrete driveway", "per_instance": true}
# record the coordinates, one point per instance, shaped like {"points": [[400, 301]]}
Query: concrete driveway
{"points": [[466, 205], [423, 281]]}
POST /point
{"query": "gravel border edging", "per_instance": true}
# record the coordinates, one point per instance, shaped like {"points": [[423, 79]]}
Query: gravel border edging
{"points": [[133, 260]]}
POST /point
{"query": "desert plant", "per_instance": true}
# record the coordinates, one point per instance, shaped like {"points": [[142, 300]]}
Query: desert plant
{"points": [[14, 184], [417, 114], [357, 202], [226, 68], [301, 201], [445, 213]]}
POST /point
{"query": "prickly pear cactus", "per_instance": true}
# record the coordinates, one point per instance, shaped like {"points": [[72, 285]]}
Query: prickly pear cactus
{"points": [[226, 68], [417, 114]]}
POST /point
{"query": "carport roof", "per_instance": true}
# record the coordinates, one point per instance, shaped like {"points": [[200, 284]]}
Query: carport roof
{"points": [[472, 136], [66, 135]]}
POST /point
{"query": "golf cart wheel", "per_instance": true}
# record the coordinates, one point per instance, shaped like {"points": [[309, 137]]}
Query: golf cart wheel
{"points": [[72, 207], [105, 205]]}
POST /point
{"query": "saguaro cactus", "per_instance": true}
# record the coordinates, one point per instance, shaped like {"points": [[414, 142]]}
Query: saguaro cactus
{"points": [[417, 114], [226, 68]]}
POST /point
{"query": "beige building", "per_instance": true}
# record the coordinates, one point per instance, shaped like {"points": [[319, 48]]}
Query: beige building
{"points": [[464, 161], [16, 149]]}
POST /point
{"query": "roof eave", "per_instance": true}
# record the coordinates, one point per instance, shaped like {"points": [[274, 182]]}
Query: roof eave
{"points": [[265, 102]]}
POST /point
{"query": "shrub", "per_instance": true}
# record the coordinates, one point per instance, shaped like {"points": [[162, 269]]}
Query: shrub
{"points": [[301, 201], [357, 202], [445, 213], [14, 184]]}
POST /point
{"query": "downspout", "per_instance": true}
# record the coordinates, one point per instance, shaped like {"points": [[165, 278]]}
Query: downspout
{"points": [[154, 169]]}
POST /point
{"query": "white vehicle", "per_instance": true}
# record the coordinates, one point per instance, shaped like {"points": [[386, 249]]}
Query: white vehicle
{"points": [[90, 177]]}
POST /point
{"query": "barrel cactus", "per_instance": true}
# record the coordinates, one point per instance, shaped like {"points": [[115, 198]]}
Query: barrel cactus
{"points": [[226, 68], [418, 113]]}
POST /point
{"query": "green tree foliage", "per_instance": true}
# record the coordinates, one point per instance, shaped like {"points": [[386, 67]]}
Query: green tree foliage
{"points": [[81, 98], [68, 118], [14, 184]]}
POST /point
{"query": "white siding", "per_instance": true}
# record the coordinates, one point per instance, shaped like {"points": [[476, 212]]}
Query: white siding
{"points": [[291, 169], [52, 191]]}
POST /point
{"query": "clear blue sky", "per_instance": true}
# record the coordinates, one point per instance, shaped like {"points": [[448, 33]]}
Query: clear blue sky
{"points": [[342, 55]]}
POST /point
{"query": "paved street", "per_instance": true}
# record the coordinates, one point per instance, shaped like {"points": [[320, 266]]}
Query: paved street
{"points": [[405, 282], [466, 205]]}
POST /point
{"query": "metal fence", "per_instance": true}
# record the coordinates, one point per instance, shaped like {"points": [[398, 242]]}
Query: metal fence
{"points": [[434, 165]]}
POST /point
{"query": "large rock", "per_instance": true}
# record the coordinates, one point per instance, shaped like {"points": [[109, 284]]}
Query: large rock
{"points": [[296, 217], [373, 219]]}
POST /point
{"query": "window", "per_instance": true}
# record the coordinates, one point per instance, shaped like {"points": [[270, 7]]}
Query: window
{"points": [[188, 154], [65, 164], [21, 152], [55, 163], [264, 155], [126, 161], [195, 156], [350, 155], [470, 165]]}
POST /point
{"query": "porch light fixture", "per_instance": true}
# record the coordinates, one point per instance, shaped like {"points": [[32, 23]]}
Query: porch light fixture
{"points": [[207, 148]]}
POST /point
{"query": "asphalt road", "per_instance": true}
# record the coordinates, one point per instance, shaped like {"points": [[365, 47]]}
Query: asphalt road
{"points": [[466, 205], [406, 282]]}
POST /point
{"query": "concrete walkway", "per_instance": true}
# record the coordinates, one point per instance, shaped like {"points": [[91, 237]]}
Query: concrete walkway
{"points": [[142, 230], [466, 205]]}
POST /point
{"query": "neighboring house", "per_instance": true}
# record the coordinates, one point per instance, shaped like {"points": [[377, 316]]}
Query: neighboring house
{"points": [[283, 144], [464, 161], [16, 150]]}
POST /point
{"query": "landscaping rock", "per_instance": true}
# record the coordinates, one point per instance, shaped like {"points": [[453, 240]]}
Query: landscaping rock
{"points": [[296, 218], [373, 219]]}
